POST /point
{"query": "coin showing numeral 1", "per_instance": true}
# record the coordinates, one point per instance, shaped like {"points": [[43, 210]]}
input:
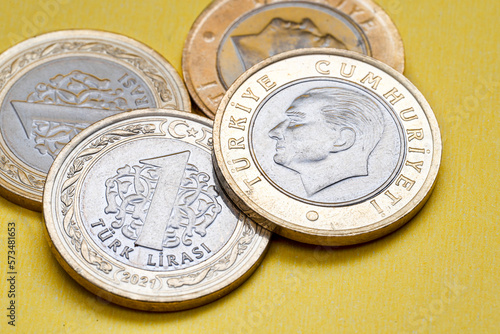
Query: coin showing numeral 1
{"points": [[54, 85], [134, 213], [327, 147]]}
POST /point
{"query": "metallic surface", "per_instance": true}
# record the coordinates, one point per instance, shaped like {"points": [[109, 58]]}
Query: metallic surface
{"points": [[231, 36], [134, 213], [326, 146], [55, 85]]}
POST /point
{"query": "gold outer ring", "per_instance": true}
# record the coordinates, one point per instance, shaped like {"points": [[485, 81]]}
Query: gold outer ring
{"points": [[23, 185], [221, 284], [199, 63], [293, 229]]}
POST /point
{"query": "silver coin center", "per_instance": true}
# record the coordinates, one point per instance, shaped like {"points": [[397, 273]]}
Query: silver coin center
{"points": [[47, 106], [276, 28], [156, 205]]}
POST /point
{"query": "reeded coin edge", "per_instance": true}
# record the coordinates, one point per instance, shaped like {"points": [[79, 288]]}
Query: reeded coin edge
{"points": [[308, 235]]}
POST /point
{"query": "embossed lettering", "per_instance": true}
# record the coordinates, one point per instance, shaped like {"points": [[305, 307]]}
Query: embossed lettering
{"points": [[405, 182], [201, 141], [212, 84], [99, 223], [377, 207], [105, 234], [237, 123], [251, 183], [137, 91], [215, 100], [142, 101], [368, 24], [236, 144], [416, 165], [246, 164], [395, 98], [250, 95], [393, 198], [126, 251], [150, 260], [206, 248], [351, 71], [185, 257], [416, 150], [319, 68], [266, 83], [170, 173], [372, 80], [197, 252], [239, 106], [171, 260], [415, 134], [408, 115], [115, 244]]}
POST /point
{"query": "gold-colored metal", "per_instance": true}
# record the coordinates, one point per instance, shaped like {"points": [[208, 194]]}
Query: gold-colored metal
{"points": [[54, 85], [326, 146], [230, 36], [134, 213]]}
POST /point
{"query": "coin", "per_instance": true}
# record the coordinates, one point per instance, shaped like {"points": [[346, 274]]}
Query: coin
{"points": [[327, 147], [231, 36], [54, 85], [134, 213]]}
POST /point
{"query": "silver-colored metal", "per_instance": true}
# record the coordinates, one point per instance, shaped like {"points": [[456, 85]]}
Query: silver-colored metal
{"points": [[134, 212], [326, 146], [55, 85]]}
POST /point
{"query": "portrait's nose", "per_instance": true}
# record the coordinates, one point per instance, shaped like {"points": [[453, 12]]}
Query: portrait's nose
{"points": [[277, 131]]}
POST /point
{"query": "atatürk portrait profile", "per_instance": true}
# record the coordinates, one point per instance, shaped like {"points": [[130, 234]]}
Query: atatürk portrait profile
{"points": [[328, 136]]}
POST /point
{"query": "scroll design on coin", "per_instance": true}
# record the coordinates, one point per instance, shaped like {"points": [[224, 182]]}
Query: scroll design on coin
{"points": [[226, 262], [51, 113], [68, 191], [129, 195], [12, 170], [17, 171], [93, 47]]}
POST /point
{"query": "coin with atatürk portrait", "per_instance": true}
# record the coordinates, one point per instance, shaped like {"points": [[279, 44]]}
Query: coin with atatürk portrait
{"points": [[135, 214], [327, 147], [231, 36], [54, 85]]}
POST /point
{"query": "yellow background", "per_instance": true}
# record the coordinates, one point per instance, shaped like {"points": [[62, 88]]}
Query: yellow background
{"points": [[437, 274]]}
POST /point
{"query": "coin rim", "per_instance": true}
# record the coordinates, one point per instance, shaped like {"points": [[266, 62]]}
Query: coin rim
{"points": [[196, 29], [133, 300], [32, 200], [310, 235]]}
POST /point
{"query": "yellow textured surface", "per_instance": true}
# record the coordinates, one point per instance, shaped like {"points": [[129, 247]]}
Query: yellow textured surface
{"points": [[437, 274]]}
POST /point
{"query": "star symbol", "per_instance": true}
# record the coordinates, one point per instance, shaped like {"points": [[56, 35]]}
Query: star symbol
{"points": [[192, 132]]}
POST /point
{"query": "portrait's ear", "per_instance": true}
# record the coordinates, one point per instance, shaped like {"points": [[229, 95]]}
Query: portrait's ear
{"points": [[345, 140]]}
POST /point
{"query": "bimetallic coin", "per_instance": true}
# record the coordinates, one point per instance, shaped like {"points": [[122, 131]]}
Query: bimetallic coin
{"points": [[134, 213], [231, 36], [326, 146], [54, 85]]}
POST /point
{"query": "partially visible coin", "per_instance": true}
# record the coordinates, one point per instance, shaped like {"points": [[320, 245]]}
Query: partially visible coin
{"points": [[231, 36], [326, 146], [134, 213], [54, 85]]}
